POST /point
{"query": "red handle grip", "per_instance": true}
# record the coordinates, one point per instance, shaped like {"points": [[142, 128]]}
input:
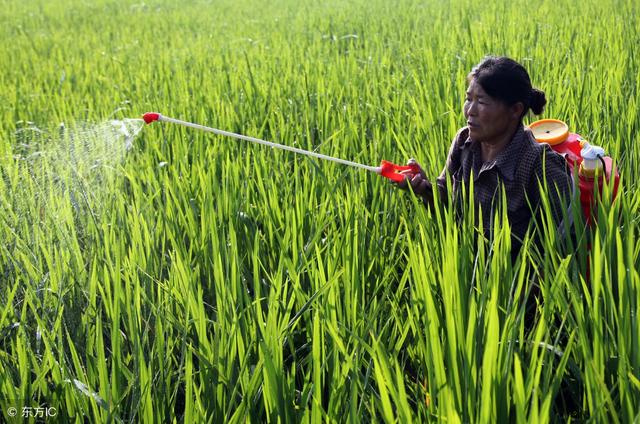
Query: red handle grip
{"points": [[397, 173]]}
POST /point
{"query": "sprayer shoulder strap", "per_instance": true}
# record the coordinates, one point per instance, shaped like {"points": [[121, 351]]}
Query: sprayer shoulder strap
{"points": [[535, 159], [529, 161]]}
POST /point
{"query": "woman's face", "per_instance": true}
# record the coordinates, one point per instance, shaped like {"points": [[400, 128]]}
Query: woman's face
{"points": [[489, 120]]}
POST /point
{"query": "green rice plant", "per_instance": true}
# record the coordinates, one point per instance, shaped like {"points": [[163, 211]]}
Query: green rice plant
{"points": [[192, 278]]}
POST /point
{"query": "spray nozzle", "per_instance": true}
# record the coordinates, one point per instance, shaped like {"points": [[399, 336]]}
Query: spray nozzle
{"points": [[149, 117]]}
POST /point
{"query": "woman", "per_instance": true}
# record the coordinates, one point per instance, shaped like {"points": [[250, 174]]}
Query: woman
{"points": [[497, 151]]}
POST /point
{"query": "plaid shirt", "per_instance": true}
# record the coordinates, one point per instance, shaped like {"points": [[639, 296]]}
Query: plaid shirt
{"points": [[518, 168]]}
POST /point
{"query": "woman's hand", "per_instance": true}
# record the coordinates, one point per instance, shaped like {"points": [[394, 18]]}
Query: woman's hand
{"points": [[418, 182]]}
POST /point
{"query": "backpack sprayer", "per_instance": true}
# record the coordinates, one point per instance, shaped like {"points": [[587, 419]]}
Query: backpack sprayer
{"points": [[594, 168], [387, 169]]}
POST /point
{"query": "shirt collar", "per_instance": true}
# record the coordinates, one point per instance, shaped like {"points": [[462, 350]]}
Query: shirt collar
{"points": [[507, 160]]}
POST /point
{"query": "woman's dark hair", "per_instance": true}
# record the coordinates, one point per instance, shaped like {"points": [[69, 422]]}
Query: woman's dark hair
{"points": [[505, 79]]}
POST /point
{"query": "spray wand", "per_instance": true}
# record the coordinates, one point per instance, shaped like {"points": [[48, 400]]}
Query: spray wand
{"points": [[386, 169]]}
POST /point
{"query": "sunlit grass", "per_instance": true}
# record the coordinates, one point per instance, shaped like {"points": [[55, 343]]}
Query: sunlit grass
{"points": [[195, 278]]}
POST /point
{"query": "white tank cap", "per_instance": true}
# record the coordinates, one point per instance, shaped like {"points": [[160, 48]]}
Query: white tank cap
{"points": [[590, 152]]}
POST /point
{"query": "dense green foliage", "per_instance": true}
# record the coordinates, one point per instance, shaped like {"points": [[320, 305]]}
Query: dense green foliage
{"points": [[194, 278]]}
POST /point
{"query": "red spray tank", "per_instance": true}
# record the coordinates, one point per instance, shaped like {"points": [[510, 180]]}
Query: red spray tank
{"points": [[594, 168]]}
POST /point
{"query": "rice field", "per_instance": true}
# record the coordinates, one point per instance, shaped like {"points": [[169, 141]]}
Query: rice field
{"points": [[161, 274]]}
